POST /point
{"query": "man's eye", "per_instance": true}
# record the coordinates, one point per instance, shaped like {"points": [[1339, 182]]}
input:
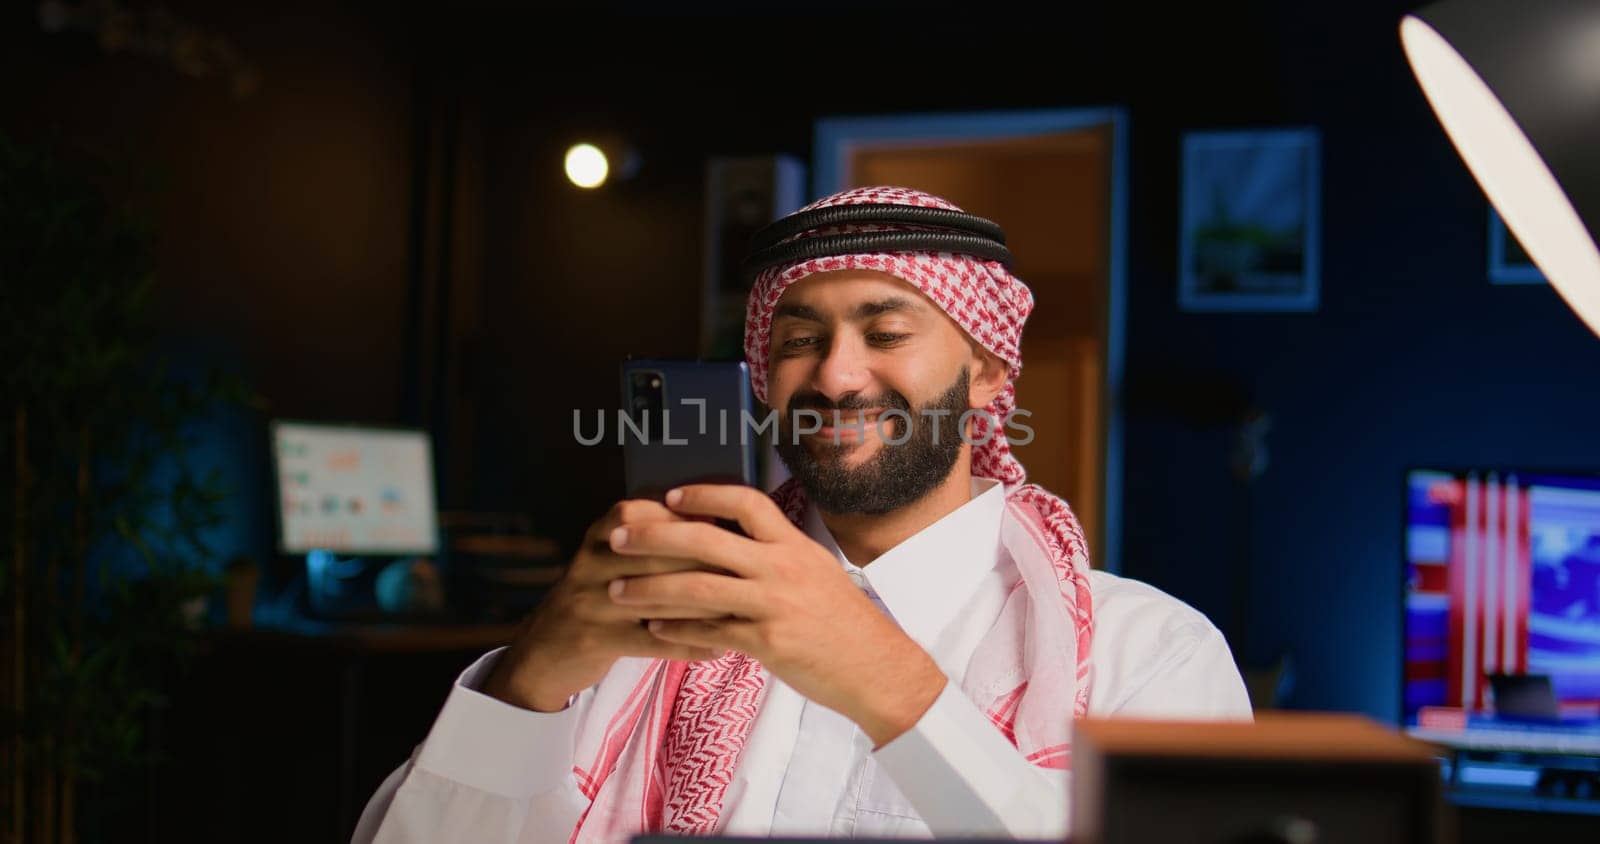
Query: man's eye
{"points": [[799, 342], [885, 338]]}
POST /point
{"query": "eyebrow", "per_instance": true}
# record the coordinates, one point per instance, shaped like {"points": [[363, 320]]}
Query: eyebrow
{"points": [[865, 310], [798, 312]]}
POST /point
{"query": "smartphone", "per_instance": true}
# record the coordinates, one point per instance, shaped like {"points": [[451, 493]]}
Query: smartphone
{"points": [[687, 421]]}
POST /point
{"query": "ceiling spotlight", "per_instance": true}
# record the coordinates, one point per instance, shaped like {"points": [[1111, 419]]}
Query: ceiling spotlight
{"points": [[587, 166]]}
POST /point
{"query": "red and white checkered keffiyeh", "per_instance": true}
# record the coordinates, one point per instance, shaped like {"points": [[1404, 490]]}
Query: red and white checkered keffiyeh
{"points": [[664, 737]]}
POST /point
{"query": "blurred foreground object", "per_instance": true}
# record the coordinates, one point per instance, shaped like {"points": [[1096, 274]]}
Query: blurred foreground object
{"points": [[1295, 778]]}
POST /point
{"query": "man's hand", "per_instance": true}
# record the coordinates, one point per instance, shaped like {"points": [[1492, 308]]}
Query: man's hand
{"points": [[569, 642], [784, 601]]}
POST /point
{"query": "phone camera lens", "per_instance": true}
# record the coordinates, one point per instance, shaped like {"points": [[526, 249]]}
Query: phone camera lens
{"points": [[646, 393]]}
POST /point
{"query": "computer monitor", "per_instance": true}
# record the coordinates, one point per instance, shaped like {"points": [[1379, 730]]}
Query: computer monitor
{"points": [[354, 490], [1502, 590]]}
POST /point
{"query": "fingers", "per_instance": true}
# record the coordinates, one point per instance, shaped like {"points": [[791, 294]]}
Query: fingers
{"points": [[604, 610], [750, 507], [597, 562], [721, 593], [631, 511], [608, 567], [719, 636], [654, 611], [689, 539]]}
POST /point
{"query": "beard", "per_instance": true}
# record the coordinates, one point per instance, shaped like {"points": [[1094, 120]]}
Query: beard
{"points": [[895, 477]]}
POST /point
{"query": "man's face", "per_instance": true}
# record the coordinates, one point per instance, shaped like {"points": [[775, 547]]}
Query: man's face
{"points": [[861, 343]]}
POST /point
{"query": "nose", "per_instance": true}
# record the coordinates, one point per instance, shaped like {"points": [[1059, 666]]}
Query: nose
{"points": [[843, 368]]}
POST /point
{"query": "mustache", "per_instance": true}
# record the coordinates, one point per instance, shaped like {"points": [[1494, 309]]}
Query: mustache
{"points": [[890, 400]]}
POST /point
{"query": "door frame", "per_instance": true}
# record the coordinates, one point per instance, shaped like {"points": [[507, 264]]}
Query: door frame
{"points": [[837, 138]]}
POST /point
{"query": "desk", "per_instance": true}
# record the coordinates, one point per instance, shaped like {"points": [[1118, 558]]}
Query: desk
{"points": [[352, 643], [1495, 763], [282, 732], [1488, 734]]}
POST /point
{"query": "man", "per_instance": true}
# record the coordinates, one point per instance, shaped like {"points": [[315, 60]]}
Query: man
{"points": [[897, 645]]}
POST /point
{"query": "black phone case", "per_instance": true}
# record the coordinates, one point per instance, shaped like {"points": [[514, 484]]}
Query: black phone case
{"points": [[679, 452]]}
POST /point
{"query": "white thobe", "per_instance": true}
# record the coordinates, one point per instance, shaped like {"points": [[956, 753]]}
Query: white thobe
{"points": [[492, 772]]}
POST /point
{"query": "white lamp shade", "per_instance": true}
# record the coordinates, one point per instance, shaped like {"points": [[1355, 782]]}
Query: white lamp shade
{"points": [[1517, 87]]}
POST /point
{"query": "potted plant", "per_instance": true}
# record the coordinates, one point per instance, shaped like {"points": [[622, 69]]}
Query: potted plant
{"points": [[104, 519]]}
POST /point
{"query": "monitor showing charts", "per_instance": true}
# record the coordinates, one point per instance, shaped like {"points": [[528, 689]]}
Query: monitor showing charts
{"points": [[355, 490]]}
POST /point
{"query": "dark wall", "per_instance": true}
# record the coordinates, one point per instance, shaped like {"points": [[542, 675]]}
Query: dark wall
{"points": [[1413, 358], [281, 215]]}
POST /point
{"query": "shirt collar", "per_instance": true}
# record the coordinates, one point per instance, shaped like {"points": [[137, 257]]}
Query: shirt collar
{"points": [[925, 581]]}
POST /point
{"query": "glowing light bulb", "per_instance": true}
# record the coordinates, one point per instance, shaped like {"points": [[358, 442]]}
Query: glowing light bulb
{"points": [[587, 166]]}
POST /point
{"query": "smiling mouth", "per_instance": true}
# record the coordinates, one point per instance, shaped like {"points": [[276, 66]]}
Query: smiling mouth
{"points": [[852, 424]]}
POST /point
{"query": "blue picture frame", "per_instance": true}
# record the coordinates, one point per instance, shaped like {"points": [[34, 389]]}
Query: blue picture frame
{"points": [[1508, 262], [1250, 220]]}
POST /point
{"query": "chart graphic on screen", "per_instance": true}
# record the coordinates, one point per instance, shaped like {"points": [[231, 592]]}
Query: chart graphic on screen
{"points": [[359, 490]]}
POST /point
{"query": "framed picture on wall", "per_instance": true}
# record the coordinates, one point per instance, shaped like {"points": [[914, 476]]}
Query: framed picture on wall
{"points": [[743, 195], [1250, 224], [1508, 261]]}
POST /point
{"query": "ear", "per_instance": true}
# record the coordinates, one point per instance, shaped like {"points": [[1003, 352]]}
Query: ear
{"points": [[986, 376]]}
